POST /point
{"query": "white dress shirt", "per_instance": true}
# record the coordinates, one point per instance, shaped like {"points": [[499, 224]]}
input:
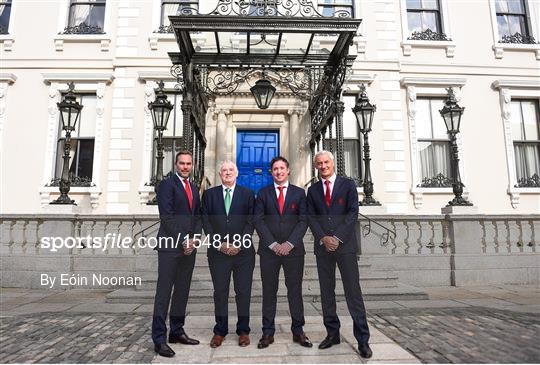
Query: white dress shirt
{"points": [[286, 185]]}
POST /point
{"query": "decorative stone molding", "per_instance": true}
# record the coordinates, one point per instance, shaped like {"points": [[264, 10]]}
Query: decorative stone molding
{"points": [[57, 84], [6, 41], [509, 89], [408, 45], [499, 48], [416, 87], [61, 39]]}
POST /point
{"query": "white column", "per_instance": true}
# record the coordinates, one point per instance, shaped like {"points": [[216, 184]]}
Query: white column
{"points": [[221, 140]]}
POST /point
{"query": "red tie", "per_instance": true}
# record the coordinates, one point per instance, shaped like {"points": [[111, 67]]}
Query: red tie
{"points": [[327, 182], [188, 192], [281, 199]]}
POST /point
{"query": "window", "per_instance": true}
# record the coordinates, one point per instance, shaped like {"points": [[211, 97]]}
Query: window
{"points": [[82, 144], [424, 16], [172, 136], [337, 8], [526, 134], [512, 21], [176, 8], [5, 12], [86, 17], [433, 144]]}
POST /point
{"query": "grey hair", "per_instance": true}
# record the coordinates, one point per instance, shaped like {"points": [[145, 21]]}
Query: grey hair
{"points": [[224, 162], [323, 152]]}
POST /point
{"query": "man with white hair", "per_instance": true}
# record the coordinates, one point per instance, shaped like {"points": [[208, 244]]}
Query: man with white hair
{"points": [[332, 206], [227, 212]]}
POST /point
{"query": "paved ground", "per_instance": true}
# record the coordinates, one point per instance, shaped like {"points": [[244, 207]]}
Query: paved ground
{"points": [[480, 324]]}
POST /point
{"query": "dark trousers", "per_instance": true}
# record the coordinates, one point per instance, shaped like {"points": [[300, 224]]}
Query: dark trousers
{"points": [[348, 267], [174, 270], [241, 267], [293, 268]]}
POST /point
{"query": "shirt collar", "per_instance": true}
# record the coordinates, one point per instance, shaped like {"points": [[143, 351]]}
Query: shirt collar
{"points": [[232, 188], [286, 185], [332, 179], [180, 177]]}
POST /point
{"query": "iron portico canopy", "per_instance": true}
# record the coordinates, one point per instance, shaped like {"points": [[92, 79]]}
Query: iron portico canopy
{"points": [[290, 40]]}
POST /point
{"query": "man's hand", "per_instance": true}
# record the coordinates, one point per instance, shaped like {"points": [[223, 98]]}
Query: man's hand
{"points": [[277, 249], [284, 249], [330, 243], [189, 246], [228, 249]]}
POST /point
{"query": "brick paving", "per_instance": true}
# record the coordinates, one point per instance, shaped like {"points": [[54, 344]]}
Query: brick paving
{"points": [[463, 335], [75, 338]]}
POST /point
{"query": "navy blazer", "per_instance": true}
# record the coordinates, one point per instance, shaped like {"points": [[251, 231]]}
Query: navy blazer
{"points": [[273, 227], [239, 221], [339, 220], [176, 218]]}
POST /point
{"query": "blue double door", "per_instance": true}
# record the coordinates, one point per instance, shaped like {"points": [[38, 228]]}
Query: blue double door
{"points": [[254, 151]]}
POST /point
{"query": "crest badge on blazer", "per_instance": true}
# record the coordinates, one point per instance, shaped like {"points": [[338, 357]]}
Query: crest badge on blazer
{"points": [[341, 201], [293, 206]]}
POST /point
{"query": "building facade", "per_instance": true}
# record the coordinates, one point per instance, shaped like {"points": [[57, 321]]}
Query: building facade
{"points": [[408, 53]]}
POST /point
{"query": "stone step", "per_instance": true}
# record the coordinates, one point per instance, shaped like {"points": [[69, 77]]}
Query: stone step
{"points": [[400, 292], [371, 280]]}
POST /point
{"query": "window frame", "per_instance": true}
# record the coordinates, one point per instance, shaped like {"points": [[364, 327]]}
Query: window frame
{"points": [[421, 10], [526, 141], [89, 28], [351, 9], [525, 17]]}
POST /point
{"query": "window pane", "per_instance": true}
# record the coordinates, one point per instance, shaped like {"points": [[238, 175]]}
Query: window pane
{"points": [[87, 121], [434, 159], [530, 121], [502, 23], [527, 160], [516, 24], [439, 128], [414, 20], [501, 6], [516, 6], [430, 4], [430, 21], [423, 119], [516, 121], [414, 4], [89, 14], [5, 12], [351, 158], [83, 160], [350, 126]]}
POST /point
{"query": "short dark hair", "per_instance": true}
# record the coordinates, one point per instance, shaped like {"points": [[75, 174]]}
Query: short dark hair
{"points": [[278, 158], [183, 152]]}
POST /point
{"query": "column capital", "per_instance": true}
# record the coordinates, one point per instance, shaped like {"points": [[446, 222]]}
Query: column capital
{"points": [[222, 111]]}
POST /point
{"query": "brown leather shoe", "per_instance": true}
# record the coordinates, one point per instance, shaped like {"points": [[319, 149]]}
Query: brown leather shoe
{"points": [[243, 340], [216, 341], [265, 341], [302, 339]]}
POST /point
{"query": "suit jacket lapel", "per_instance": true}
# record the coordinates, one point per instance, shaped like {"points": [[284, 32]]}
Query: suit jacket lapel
{"points": [[288, 198], [337, 185], [221, 199], [319, 187], [274, 198]]}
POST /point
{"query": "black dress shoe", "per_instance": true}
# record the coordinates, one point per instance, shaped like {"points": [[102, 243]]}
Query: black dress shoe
{"points": [[302, 340], [183, 339], [164, 350], [329, 342], [365, 350], [265, 341]]}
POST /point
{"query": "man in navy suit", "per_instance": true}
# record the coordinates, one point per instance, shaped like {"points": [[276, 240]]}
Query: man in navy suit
{"points": [[281, 222], [332, 205], [179, 213], [227, 212]]}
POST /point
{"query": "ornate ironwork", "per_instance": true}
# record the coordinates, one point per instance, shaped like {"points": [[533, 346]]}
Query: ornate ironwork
{"points": [[385, 236], [165, 29], [83, 28], [439, 181], [286, 8], [428, 35], [225, 81], [518, 38], [75, 181], [176, 72], [529, 182]]}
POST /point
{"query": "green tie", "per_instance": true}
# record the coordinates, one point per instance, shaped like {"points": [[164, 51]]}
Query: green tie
{"points": [[227, 200]]}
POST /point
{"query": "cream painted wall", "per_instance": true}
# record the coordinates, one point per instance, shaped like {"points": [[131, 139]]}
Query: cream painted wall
{"points": [[130, 48]]}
